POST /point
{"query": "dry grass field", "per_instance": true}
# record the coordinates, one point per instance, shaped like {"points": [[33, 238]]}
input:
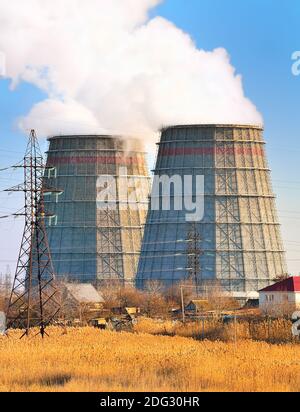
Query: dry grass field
{"points": [[92, 360], [268, 330]]}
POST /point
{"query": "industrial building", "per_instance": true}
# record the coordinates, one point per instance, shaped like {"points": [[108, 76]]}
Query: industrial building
{"points": [[101, 210], [237, 241]]}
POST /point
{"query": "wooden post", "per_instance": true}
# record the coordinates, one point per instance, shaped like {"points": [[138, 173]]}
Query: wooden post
{"points": [[182, 304], [235, 330]]}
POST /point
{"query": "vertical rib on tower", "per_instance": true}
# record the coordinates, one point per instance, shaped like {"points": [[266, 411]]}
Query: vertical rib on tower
{"points": [[240, 240], [91, 240]]}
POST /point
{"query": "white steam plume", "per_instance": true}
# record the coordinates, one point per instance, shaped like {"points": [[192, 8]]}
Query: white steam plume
{"points": [[107, 67]]}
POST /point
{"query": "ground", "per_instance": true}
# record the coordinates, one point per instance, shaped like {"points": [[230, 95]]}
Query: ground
{"points": [[92, 360]]}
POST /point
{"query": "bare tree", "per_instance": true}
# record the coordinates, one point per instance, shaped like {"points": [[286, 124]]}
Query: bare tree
{"points": [[154, 302], [173, 294], [111, 293], [3, 302], [129, 296], [218, 300], [281, 277]]}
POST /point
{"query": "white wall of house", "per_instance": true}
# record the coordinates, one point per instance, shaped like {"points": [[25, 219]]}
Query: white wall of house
{"points": [[279, 301]]}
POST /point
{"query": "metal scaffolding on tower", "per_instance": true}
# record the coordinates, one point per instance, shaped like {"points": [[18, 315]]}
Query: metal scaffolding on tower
{"points": [[33, 301]]}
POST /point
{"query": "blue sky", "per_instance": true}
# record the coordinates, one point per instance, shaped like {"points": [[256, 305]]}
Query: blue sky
{"points": [[260, 36]]}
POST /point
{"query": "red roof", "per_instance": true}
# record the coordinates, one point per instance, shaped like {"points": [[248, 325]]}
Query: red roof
{"points": [[291, 284]]}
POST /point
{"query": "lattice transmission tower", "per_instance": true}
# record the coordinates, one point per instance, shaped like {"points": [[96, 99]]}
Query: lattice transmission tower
{"points": [[194, 252], [33, 300]]}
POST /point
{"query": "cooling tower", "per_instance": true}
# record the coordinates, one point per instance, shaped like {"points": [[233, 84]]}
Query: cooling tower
{"points": [[237, 242], [100, 214]]}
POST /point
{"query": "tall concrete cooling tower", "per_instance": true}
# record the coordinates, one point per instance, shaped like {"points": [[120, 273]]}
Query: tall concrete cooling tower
{"points": [[96, 236], [237, 244]]}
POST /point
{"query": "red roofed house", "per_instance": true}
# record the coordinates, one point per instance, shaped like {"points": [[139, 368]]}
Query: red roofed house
{"points": [[281, 298]]}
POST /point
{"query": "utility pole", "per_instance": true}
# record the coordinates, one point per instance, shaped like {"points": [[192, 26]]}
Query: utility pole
{"points": [[32, 300], [235, 329], [182, 304]]}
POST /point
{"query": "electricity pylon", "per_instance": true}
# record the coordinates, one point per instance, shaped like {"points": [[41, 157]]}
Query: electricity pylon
{"points": [[33, 301], [194, 252]]}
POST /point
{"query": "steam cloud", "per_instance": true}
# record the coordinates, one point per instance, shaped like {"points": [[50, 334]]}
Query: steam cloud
{"points": [[107, 67]]}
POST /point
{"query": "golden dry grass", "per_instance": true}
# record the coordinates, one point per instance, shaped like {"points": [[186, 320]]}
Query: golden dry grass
{"points": [[272, 330], [91, 360]]}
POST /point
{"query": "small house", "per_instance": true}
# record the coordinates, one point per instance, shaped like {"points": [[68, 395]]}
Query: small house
{"points": [[81, 300], [281, 298], [197, 305], [133, 311]]}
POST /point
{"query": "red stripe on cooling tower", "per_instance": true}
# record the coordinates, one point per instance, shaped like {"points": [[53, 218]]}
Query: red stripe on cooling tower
{"points": [[186, 151], [94, 160]]}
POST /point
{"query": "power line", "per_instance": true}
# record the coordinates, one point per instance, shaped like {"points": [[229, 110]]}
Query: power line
{"points": [[289, 218], [6, 168], [286, 181], [286, 188], [283, 148], [12, 167], [10, 151], [289, 211]]}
